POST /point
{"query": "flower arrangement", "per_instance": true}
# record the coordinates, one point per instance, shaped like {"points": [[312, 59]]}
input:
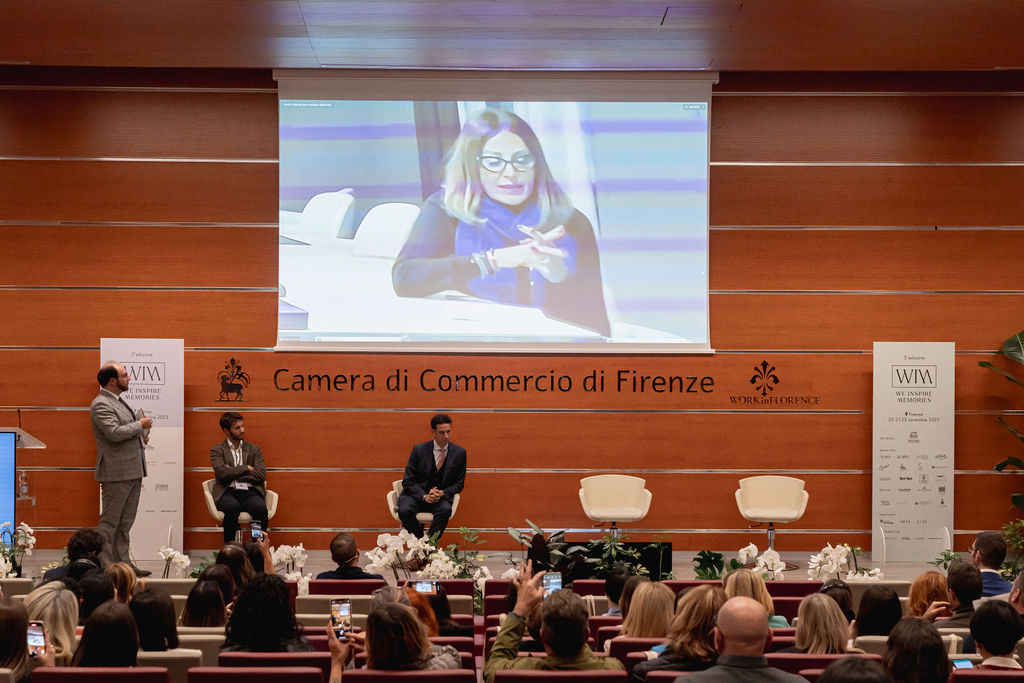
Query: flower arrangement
{"points": [[170, 556], [14, 545], [836, 560], [398, 552], [768, 563], [293, 556]]}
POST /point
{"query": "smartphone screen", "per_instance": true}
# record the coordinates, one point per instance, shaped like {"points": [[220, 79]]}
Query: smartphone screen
{"points": [[429, 587], [962, 664], [256, 529], [36, 642], [552, 582], [341, 616]]}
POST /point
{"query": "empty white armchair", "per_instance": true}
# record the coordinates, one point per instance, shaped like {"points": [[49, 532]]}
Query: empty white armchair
{"points": [[384, 229], [614, 498], [771, 499]]}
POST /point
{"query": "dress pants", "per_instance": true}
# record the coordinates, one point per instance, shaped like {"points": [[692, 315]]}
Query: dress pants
{"points": [[237, 501], [409, 506], [120, 503]]}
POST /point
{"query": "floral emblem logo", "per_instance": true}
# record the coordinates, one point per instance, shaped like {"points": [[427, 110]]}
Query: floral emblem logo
{"points": [[232, 380], [764, 379]]}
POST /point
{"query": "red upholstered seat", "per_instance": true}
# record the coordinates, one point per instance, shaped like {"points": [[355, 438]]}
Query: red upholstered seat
{"points": [[320, 660], [468, 660], [597, 675], [605, 633], [977, 675], [620, 647], [811, 674], [595, 623], [786, 606], [450, 676], [135, 674], [242, 674], [795, 662], [781, 643]]}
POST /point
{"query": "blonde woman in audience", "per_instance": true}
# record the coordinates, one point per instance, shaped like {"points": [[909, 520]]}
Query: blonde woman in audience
{"points": [[821, 627], [123, 576], [650, 613], [691, 638], [627, 593], [749, 584], [926, 589], [57, 607]]}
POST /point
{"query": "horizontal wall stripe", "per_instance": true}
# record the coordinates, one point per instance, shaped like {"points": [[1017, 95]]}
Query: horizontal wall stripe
{"points": [[131, 88], [867, 228], [166, 160], [144, 224], [877, 93], [857, 164], [872, 292], [154, 288]]}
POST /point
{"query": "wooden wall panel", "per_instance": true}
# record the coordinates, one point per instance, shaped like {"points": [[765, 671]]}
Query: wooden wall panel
{"points": [[83, 317], [945, 260], [89, 191], [975, 196], [157, 124], [77, 255], [884, 127]]}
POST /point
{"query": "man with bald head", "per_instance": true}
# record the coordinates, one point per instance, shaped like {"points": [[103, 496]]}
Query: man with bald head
{"points": [[741, 636]]}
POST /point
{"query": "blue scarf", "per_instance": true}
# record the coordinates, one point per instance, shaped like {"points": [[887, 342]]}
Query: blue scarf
{"points": [[499, 229]]}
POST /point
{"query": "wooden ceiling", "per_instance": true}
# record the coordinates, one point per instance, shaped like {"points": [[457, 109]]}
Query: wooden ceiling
{"points": [[717, 35]]}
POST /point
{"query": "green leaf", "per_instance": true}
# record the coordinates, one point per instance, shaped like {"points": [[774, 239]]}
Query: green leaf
{"points": [[1010, 462], [1004, 373], [1010, 428], [536, 529], [1018, 500], [1013, 348], [519, 536]]}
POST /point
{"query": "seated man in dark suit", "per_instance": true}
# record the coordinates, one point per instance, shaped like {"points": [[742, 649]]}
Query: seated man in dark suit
{"points": [[963, 586], [436, 471], [346, 555], [240, 474], [987, 554]]}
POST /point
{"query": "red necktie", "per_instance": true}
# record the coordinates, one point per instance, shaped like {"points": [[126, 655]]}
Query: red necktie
{"points": [[440, 463]]}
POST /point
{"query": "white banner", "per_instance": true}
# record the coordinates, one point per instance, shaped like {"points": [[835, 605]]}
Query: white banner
{"points": [[912, 430], [156, 368]]}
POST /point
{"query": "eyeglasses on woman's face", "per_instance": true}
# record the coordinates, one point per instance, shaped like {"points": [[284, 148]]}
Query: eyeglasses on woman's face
{"points": [[493, 163]]}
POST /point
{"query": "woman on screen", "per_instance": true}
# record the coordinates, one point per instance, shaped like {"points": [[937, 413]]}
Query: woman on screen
{"points": [[501, 228]]}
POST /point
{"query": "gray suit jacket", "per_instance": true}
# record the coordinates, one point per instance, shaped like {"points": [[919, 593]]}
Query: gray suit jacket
{"points": [[120, 453], [225, 471]]}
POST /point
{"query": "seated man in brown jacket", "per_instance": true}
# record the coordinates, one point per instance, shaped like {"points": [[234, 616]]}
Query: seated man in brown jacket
{"points": [[563, 631]]}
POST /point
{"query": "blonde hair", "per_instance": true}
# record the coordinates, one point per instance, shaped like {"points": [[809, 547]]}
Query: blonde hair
{"points": [[821, 627], [650, 611], [57, 607], [461, 183], [691, 633], [925, 590], [749, 584], [123, 576]]}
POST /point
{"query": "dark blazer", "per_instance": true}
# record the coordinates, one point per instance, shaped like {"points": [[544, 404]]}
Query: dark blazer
{"points": [[994, 584], [225, 471], [421, 474], [348, 573]]}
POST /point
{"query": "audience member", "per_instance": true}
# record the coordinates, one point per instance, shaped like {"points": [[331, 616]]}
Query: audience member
{"points": [[446, 625], [650, 613], [839, 590], [234, 557], [97, 587], [110, 637], [1016, 596], [628, 588], [987, 554], [397, 639], [821, 628], [57, 607], [691, 640], [204, 605], [927, 588], [855, 670], [387, 595], [563, 631], [423, 610], [741, 636], [259, 554], [84, 548], [153, 610], [262, 619], [225, 580], [916, 653], [613, 586], [878, 612], [996, 627], [964, 584], [123, 576], [345, 554], [13, 641], [750, 584]]}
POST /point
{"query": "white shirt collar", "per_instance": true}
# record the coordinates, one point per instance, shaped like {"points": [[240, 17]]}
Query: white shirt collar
{"points": [[1003, 662]]}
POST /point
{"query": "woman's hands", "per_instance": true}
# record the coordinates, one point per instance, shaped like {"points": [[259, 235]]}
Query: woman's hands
{"points": [[536, 252], [342, 651]]}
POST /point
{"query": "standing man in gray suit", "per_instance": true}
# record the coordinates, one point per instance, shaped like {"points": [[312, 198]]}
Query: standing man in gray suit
{"points": [[121, 439], [241, 476]]}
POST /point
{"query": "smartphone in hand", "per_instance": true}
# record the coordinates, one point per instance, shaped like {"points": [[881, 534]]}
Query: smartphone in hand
{"points": [[36, 640], [341, 617]]}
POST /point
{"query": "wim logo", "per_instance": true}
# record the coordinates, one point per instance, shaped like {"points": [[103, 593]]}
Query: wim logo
{"points": [[764, 379], [232, 380], [145, 374], [914, 376]]}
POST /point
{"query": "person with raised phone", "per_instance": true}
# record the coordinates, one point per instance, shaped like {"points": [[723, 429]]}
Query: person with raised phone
{"points": [[563, 630]]}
